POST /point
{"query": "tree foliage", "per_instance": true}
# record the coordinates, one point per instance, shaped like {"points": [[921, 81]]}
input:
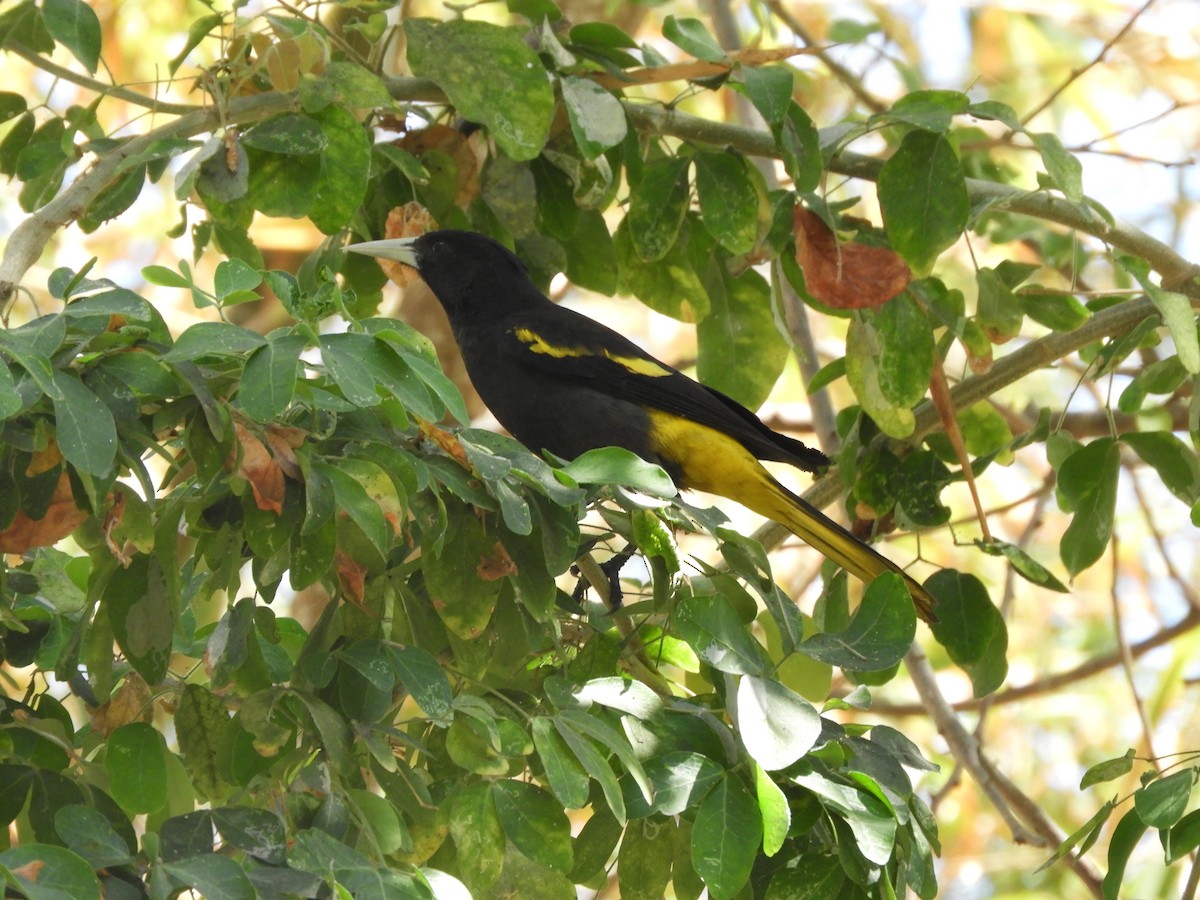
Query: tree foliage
{"points": [[462, 698]]}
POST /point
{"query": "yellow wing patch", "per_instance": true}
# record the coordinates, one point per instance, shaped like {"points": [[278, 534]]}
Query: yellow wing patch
{"points": [[538, 344]]}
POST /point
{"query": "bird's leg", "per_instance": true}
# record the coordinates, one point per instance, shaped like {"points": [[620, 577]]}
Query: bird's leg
{"points": [[609, 572]]}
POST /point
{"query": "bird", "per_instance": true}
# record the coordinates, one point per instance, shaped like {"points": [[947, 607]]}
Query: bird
{"points": [[561, 382]]}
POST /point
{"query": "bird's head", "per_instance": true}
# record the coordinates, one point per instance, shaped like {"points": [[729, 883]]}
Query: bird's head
{"points": [[455, 264]]}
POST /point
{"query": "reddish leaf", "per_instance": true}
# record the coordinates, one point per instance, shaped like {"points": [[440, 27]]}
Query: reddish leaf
{"points": [[259, 468], [495, 565], [61, 518], [845, 275]]}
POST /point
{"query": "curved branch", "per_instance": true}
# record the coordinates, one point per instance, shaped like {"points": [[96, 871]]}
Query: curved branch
{"points": [[115, 91], [33, 234]]}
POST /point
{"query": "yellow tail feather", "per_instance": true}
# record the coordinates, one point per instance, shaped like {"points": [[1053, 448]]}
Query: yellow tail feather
{"points": [[714, 462]]}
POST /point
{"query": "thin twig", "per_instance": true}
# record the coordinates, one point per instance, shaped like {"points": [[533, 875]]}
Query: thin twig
{"points": [[1054, 683], [1076, 74], [117, 92], [1126, 656], [1025, 819], [840, 72]]}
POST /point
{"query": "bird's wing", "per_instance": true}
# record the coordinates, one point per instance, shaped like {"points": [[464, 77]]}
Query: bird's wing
{"points": [[566, 345]]}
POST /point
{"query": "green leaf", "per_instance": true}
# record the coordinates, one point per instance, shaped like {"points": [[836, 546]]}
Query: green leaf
{"points": [[233, 277], [86, 430], [478, 837], [1083, 837], [135, 758], [770, 90], [46, 872], [140, 600], [535, 823], [567, 778], [1183, 838], [775, 811], [269, 379], [730, 199], [970, 628], [1163, 376], [906, 361], [624, 694], [725, 838], [879, 634], [1162, 802], [353, 482], [997, 310], [11, 105], [669, 286], [742, 351], [605, 735], [657, 206], [76, 26], [1108, 770], [644, 861], [491, 76], [597, 117], [214, 877], [923, 195], [343, 358], [800, 147], [197, 32], [870, 821], [596, 765], [692, 37], [594, 845], [1120, 847], [289, 134], [615, 465], [1057, 310], [345, 167], [714, 631], [213, 339], [1176, 311], [681, 779], [463, 599], [283, 185], [332, 735], [258, 832], [776, 725], [1175, 462], [1024, 564], [930, 110], [1064, 169], [424, 680], [381, 819], [88, 832], [1087, 486], [201, 721], [864, 350]]}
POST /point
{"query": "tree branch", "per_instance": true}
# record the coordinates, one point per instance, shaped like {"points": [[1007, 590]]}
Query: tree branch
{"points": [[1029, 824]]}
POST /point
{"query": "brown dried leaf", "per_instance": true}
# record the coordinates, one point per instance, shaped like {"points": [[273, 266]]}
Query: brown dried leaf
{"points": [[410, 220], [495, 565], [132, 704], [112, 520], [446, 441], [846, 275], [259, 468], [352, 577], [61, 518], [31, 870], [44, 460], [284, 440]]}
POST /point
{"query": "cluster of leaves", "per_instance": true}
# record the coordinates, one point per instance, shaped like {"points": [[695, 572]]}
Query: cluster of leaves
{"points": [[452, 702], [326, 469]]}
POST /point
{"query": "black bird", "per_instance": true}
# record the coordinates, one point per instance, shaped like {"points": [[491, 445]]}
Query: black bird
{"points": [[562, 382]]}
